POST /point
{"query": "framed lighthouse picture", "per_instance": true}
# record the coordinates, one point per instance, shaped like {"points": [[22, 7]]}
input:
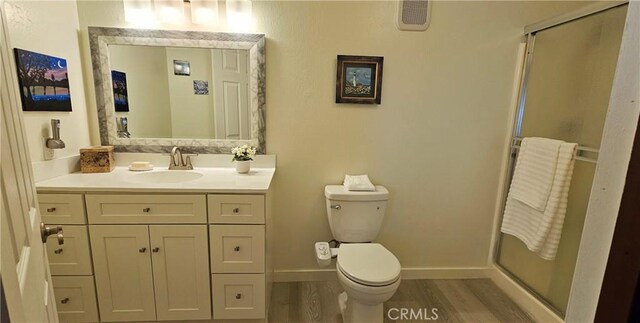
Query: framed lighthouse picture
{"points": [[359, 79]]}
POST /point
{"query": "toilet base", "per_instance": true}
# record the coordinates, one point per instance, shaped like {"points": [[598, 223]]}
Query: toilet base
{"points": [[354, 312]]}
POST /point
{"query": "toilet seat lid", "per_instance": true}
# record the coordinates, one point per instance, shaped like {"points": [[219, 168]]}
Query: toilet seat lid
{"points": [[368, 263]]}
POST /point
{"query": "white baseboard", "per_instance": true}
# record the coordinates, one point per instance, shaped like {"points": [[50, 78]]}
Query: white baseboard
{"points": [[445, 273], [539, 311], [407, 273]]}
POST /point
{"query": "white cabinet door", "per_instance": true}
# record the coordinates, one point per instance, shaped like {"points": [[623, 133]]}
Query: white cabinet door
{"points": [[181, 271], [122, 265]]}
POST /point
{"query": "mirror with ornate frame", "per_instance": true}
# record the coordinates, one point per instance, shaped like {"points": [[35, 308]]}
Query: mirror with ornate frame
{"points": [[156, 89]]}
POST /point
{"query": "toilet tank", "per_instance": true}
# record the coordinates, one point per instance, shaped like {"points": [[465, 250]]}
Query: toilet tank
{"points": [[355, 216]]}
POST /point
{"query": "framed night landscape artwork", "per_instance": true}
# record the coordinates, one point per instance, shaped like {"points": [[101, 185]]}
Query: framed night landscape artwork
{"points": [[359, 79], [120, 95], [43, 80]]}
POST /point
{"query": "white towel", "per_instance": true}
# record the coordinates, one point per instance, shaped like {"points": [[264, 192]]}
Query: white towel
{"points": [[358, 183], [541, 230], [534, 171]]}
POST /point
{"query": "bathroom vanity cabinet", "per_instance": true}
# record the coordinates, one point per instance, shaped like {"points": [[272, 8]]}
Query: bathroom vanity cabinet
{"points": [[158, 256]]}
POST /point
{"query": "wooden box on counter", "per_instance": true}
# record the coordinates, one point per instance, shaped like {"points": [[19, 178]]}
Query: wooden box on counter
{"points": [[97, 159]]}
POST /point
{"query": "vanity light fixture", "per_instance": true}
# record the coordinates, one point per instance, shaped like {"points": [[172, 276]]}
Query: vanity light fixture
{"points": [[145, 13], [138, 12], [239, 16], [204, 12], [170, 11]]}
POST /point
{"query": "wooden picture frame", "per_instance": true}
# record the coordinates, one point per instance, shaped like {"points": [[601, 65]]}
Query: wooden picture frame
{"points": [[359, 79]]}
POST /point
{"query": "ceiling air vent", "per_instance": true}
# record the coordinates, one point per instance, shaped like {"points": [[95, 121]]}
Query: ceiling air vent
{"points": [[414, 14]]}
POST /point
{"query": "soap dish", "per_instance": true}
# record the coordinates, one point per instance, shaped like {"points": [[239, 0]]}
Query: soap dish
{"points": [[141, 169]]}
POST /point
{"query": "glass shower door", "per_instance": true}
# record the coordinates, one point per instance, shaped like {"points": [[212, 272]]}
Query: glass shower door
{"points": [[568, 87]]}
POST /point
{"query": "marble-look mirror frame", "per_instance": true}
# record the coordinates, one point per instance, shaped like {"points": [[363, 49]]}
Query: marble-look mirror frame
{"points": [[101, 37]]}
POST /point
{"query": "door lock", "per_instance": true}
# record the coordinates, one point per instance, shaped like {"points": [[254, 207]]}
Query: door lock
{"points": [[46, 231]]}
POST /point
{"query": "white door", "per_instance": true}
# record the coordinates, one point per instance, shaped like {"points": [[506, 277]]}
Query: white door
{"points": [[180, 272], [25, 274], [122, 265], [231, 102]]}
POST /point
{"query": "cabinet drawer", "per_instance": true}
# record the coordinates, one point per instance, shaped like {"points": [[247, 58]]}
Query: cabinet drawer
{"points": [[73, 257], [103, 209], [237, 248], [236, 209], [62, 208], [238, 296], [75, 298]]}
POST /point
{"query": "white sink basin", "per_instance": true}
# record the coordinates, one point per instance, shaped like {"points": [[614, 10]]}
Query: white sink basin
{"points": [[165, 177]]}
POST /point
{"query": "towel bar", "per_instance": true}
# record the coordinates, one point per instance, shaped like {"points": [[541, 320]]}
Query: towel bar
{"points": [[580, 151]]}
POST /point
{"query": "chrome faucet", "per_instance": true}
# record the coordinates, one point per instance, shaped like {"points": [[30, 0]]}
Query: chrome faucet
{"points": [[176, 162]]}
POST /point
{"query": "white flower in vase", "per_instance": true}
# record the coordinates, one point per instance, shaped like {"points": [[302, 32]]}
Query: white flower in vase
{"points": [[243, 156]]}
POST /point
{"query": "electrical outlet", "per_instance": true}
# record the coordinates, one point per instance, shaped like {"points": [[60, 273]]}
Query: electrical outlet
{"points": [[48, 153]]}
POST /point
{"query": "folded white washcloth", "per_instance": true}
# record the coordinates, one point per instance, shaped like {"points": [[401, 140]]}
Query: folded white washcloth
{"points": [[358, 183]]}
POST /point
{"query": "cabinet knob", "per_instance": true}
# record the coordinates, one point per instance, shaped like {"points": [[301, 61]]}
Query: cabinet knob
{"points": [[65, 300], [237, 248], [51, 209], [58, 251], [156, 249], [238, 296], [146, 210], [236, 210], [142, 250]]}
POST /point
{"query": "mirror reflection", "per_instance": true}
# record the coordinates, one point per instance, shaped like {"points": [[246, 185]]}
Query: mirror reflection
{"points": [[179, 92]]}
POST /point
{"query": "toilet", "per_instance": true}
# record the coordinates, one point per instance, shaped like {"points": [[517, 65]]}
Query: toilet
{"points": [[368, 272]]}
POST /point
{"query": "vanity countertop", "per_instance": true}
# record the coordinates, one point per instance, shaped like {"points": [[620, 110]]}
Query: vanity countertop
{"points": [[121, 179]]}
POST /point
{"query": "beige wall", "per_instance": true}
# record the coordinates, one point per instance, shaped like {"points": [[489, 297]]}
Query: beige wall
{"points": [[52, 28], [191, 115], [435, 141], [149, 113]]}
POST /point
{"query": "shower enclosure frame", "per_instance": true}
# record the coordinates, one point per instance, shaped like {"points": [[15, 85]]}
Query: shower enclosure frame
{"points": [[530, 32]]}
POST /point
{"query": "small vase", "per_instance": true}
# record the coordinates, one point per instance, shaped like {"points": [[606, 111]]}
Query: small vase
{"points": [[243, 166]]}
